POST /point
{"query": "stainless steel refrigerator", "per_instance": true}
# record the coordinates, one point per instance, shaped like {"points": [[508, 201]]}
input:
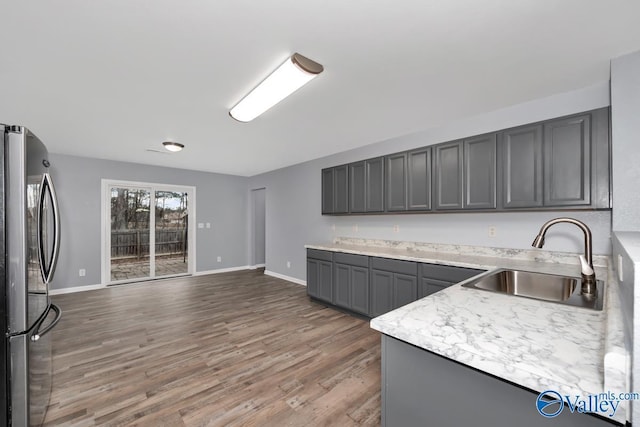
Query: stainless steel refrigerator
{"points": [[29, 243]]}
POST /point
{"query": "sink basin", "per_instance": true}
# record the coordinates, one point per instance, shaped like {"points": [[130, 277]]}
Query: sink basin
{"points": [[547, 287]]}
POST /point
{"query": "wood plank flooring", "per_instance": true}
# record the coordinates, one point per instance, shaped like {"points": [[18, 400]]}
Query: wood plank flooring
{"points": [[236, 348]]}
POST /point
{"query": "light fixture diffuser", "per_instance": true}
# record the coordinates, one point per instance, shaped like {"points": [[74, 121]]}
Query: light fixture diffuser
{"points": [[173, 146], [294, 73]]}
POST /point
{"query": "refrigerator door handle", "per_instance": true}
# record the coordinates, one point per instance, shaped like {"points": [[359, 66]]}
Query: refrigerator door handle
{"points": [[37, 333], [47, 269]]}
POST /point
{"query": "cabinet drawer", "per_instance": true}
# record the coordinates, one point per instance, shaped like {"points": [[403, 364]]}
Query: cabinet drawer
{"points": [[448, 273], [395, 266], [351, 259], [321, 255]]}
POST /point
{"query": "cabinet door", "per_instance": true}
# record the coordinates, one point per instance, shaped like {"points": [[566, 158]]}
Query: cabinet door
{"points": [[327, 191], [396, 176], [325, 281], [480, 172], [312, 277], [341, 189], [419, 179], [522, 167], [341, 284], [381, 292], [431, 286], [405, 289], [375, 184], [448, 176], [360, 289], [357, 187], [567, 160]]}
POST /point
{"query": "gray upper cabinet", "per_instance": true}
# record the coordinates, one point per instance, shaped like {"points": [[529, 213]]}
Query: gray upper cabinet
{"points": [[567, 161], [357, 187], [419, 179], [335, 190], [396, 185], [480, 163], [375, 184], [366, 186], [465, 174], [448, 165], [562, 163], [327, 191], [521, 150], [341, 189]]}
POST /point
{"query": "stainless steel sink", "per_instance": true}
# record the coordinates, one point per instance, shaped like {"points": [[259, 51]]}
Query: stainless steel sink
{"points": [[547, 287]]}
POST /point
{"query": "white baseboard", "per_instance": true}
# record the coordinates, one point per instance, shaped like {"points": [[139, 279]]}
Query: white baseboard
{"points": [[283, 277], [221, 270], [199, 273], [257, 266], [76, 289]]}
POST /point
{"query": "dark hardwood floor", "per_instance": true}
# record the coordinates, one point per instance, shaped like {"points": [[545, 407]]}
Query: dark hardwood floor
{"points": [[227, 349]]}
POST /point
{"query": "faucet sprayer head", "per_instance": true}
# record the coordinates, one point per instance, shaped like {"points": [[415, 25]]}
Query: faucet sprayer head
{"points": [[538, 242]]}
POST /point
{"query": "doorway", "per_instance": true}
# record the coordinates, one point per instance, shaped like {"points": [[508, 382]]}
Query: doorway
{"points": [[147, 231], [258, 203]]}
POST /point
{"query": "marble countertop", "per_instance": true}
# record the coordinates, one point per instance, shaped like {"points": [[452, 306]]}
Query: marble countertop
{"points": [[536, 344]]}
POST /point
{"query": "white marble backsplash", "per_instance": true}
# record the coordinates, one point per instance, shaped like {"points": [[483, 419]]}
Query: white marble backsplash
{"points": [[535, 255]]}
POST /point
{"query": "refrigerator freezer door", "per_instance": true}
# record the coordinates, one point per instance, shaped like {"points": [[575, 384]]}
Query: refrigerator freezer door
{"points": [[31, 370]]}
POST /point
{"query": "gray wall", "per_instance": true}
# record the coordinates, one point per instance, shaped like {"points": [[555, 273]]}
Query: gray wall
{"points": [[220, 200], [257, 226], [625, 119], [293, 196]]}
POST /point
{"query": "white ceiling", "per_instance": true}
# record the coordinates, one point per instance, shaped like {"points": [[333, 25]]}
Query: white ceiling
{"points": [[112, 78]]}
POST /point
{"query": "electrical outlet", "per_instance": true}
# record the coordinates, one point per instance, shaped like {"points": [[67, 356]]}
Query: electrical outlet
{"points": [[219, 259], [396, 228], [492, 231], [82, 272], [288, 264], [208, 225], [201, 225], [355, 228]]}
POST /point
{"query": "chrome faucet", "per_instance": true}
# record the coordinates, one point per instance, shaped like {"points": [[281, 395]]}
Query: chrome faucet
{"points": [[586, 260]]}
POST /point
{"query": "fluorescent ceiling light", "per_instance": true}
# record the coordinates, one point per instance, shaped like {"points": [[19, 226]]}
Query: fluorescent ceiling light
{"points": [[173, 146], [294, 73]]}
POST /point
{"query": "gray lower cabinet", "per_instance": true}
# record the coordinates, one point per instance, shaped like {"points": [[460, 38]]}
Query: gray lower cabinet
{"points": [[435, 277], [335, 190], [393, 283], [373, 286], [420, 388], [351, 282], [320, 274]]}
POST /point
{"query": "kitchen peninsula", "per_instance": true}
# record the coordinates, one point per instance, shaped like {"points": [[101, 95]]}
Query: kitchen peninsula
{"points": [[461, 345]]}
